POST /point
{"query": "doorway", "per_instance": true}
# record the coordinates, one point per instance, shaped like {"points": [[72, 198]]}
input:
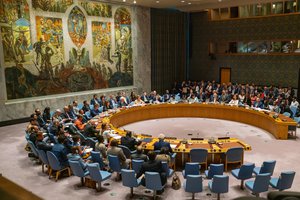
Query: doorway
{"points": [[225, 75]]}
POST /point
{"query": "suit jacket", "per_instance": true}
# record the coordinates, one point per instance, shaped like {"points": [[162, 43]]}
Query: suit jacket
{"points": [[136, 156], [85, 108], [152, 166], [161, 143], [116, 151], [129, 142], [61, 152], [90, 130], [41, 145], [95, 101], [77, 157]]}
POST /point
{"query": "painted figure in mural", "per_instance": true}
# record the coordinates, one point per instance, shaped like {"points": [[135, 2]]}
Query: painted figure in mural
{"points": [[21, 46], [46, 66], [77, 26], [8, 46], [38, 50], [118, 55]]}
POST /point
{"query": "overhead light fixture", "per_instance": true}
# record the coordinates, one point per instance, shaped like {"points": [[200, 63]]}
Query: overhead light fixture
{"points": [[219, 0], [189, 3], [157, 1], [124, 0], [134, 1], [182, 1]]}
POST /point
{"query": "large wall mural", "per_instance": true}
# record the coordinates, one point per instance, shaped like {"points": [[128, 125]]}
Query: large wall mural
{"points": [[60, 58]]}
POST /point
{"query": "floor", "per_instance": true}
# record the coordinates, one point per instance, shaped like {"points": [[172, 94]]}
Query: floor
{"points": [[16, 166]]}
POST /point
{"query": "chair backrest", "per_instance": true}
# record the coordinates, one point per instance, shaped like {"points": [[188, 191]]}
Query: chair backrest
{"points": [[220, 183], [268, 167], [76, 168], [165, 167], [100, 109], [153, 181], [96, 157], [88, 114], [215, 169], [285, 180], [137, 165], [198, 155], [33, 148], [246, 171], [53, 161], [43, 157], [294, 110], [194, 183], [287, 114], [91, 142], [126, 151], [235, 154], [128, 178], [94, 171], [192, 169], [261, 183], [52, 138], [114, 163]]}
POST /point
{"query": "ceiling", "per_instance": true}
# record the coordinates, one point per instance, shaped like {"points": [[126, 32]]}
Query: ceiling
{"points": [[187, 5]]}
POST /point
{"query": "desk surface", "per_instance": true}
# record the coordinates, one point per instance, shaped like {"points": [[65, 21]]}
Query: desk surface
{"points": [[277, 125]]}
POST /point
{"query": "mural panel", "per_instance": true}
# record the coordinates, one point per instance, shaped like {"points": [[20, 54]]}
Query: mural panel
{"points": [[52, 5], [43, 68], [97, 9], [123, 49]]}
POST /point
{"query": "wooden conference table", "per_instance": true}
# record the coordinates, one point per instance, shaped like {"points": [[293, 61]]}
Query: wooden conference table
{"points": [[269, 121]]}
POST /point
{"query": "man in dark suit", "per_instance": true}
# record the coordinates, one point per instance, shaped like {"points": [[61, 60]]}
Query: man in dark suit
{"points": [[40, 144], [152, 166], [139, 155], [128, 141], [90, 129], [95, 100], [60, 151], [161, 143]]}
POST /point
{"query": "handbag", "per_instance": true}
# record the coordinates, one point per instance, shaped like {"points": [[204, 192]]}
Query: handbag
{"points": [[176, 183]]}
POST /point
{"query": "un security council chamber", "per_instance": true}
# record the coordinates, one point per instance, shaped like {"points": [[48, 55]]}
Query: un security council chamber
{"points": [[149, 99]]}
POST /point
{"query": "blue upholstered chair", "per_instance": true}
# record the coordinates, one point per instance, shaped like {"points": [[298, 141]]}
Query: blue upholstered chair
{"points": [[266, 167], [78, 170], [126, 151], [55, 165], [243, 173], [53, 139], [114, 164], [193, 184], [167, 169], [259, 184], [43, 158], [287, 114], [33, 149], [153, 182], [129, 179], [294, 111], [136, 165], [284, 181], [97, 175], [96, 157], [214, 169], [91, 142], [234, 155], [191, 169], [199, 156], [88, 114], [219, 184]]}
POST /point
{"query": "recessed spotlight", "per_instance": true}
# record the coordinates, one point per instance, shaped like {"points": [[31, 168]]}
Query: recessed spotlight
{"points": [[157, 1], [134, 1], [182, 1], [219, 0], [189, 3], [124, 0]]}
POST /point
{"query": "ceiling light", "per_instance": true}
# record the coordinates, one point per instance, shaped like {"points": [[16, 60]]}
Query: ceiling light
{"points": [[189, 3], [157, 1], [134, 1], [124, 0], [219, 0], [182, 1]]}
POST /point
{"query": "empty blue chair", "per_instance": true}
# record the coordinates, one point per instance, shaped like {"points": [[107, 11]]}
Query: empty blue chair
{"points": [[219, 184], [88, 114], [97, 175], [267, 167], [78, 170], [193, 184], [214, 169], [136, 165], [96, 157], [284, 181], [129, 179], [55, 165], [191, 169], [114, 164], [80, 105], [127, 151], [293, 110], [199, 156], [259, 184], [167, 169], [243, 173], [153, 182], [234, 155], [100, 109], [43, 158], [287, 114]]}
